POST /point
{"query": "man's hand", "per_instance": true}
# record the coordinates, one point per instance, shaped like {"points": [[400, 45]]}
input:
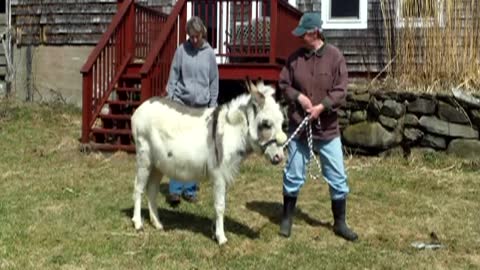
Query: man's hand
{"points": [[315, 111], [305, 102]]}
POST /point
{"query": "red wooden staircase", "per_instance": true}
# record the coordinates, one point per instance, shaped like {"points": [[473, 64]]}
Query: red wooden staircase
{"points": [[113, 123], [132, 60]]}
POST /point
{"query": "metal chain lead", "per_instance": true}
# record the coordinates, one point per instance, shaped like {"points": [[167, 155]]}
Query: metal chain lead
{"points": [[304, 122]]}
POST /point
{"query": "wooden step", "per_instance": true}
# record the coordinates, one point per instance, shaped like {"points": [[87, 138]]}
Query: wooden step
{"points": [[138, 61], [134, 68], [115, 116], [131, 76], [123, 102], [111, 131], [128, 89], [113, 147]]}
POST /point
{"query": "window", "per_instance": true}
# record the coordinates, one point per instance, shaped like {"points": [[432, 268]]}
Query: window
{"points": [[344, 14], [419, 13]]}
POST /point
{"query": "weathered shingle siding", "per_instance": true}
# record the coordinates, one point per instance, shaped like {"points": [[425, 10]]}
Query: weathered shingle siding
{"points": [[3, 60], [468, 16], [364, 49], [61, 22]]}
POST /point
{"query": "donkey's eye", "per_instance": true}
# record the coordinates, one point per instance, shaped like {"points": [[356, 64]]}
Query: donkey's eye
{"points": [[265, 130], [265, 124]]}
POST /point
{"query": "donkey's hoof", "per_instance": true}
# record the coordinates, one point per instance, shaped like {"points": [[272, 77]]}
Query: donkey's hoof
{"points": [[222, 240], [137, 224], [158, 226]]}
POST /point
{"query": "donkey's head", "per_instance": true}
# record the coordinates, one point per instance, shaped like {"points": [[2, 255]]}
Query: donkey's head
{"points": [[265, 122]]}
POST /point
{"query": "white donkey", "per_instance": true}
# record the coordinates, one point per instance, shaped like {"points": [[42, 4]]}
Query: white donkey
{"points": [[188, 143]]}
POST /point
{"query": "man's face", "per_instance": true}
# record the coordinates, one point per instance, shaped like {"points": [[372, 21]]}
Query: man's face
{"points": [[196, 39]]}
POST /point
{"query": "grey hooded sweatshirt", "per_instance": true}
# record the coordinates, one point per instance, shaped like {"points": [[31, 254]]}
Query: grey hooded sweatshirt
{"points": [[193, 79]]}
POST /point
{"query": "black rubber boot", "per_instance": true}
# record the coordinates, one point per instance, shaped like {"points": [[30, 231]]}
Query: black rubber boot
{"points": [[339, 226], [287, 218]]}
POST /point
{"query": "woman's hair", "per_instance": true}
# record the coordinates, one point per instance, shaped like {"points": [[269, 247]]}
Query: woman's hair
{"points": [[195, 25]]}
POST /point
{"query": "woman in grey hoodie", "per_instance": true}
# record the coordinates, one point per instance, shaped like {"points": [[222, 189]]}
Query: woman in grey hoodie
{"points": [[193, 81]]}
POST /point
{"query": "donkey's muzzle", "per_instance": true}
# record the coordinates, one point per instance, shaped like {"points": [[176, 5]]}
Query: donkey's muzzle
{"points": [[277, 159]]}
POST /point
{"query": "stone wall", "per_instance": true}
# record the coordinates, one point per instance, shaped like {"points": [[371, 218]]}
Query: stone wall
{"points": [[375, 122]]}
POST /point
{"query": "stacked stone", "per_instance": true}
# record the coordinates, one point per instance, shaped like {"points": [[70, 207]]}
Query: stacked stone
{"points": [[376, 122]]}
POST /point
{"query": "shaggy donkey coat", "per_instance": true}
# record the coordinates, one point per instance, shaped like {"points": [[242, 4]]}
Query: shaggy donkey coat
{"points": [[189, 143]]}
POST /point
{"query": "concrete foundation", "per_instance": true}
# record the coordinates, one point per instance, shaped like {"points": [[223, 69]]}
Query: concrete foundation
{"points": [[49, 73]]}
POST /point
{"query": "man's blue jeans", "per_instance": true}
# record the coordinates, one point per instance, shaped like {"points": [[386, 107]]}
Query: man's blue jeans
{"points": [[331, 158], [186, 188]]}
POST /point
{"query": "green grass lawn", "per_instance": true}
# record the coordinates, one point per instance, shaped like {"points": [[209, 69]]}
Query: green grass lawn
{"points": [[63, 209]]}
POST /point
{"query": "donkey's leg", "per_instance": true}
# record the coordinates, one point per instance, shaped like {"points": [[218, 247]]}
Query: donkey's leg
{"points": [[141, 179], [152, 191], [219, 193]]}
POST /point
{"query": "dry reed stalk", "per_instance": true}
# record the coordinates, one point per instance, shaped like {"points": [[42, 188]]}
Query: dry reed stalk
{"points": [[437, 43]]}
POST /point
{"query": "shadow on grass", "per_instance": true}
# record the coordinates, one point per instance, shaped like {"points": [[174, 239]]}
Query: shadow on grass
{"points": [[179, 219], [273, 211]]}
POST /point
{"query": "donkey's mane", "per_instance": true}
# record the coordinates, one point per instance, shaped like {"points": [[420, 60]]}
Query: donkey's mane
{"points": [[239, 102]]}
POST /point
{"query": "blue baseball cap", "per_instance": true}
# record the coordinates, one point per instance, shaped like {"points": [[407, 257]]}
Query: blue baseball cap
{"points": [[308, 22]]}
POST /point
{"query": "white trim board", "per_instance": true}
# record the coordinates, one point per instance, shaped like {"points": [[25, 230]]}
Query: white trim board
{"points": [[344, 23]]}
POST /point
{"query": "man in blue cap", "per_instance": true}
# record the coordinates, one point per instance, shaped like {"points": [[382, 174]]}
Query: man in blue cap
{"points": [[314, 82]]}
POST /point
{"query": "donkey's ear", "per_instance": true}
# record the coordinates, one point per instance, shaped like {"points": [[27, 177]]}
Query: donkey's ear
{"points": [[251, 87], [257, 95], [266, 90]]}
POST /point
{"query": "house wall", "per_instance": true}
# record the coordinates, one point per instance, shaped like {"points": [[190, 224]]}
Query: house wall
{"points": [[52, 40], [60, 22], [49, 73], [3, 59], [364, 49]]}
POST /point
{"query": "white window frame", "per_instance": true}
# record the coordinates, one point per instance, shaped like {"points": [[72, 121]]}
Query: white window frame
{"points": [[419, 22], [344, 23]]}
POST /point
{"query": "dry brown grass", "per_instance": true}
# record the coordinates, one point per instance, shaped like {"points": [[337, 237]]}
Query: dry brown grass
{"points": [[62, 209], [442, 53]]}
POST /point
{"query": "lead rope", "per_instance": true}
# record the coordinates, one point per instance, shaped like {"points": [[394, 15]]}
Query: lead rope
{"points": [[304, 122]]}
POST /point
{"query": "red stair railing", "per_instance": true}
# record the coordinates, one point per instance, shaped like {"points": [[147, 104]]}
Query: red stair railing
{"points": [[148, 24], [103, 67], [156, 68], [130, 35]]}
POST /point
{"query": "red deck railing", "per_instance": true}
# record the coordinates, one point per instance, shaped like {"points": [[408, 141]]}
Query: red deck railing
{"points": [[148, 24], [241, 31], [249, 31]]}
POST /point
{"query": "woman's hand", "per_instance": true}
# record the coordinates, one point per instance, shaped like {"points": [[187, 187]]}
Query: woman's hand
{"points": [[315, 111], [305, 102]]}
